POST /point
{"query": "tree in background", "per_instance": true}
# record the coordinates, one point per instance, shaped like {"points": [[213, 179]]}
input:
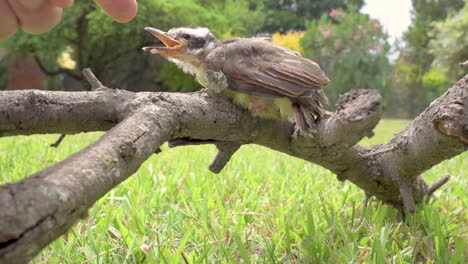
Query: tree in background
{"points": [[351, 48], [3, 67], [414, 67], [113, 50], [286, 15], [449, 44]]}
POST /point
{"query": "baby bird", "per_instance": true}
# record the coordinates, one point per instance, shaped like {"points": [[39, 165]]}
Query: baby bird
{"points": [[269, 80]]}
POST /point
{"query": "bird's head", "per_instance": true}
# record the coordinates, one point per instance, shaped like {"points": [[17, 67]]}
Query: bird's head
{"points": [[185, 44]]}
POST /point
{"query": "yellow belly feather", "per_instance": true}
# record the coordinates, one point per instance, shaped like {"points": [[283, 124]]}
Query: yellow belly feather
{"points": [[270, 108]]}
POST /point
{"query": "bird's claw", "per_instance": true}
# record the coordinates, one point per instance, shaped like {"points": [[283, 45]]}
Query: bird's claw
{"points": [[298, 132]]}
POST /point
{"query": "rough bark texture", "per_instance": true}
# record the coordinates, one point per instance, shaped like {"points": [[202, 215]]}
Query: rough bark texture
{"points": [[43, 206]]}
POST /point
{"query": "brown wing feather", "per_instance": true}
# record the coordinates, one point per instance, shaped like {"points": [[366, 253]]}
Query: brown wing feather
{"points": [[259, 68]]}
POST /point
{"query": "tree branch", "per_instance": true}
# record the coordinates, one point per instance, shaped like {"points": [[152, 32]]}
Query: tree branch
{"points": [[57, 72], [464, 64], [58, 141], [89, 75], [41, 207], [225, 152], [356, 115], [436, 185], [27, 112]]}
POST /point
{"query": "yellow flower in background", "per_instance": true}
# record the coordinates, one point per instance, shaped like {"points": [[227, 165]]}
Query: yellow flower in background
{"points": [[290, 40], [65, 60]]}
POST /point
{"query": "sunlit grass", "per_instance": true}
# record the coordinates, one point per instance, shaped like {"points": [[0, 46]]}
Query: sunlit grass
{"points": [[265, 207]]}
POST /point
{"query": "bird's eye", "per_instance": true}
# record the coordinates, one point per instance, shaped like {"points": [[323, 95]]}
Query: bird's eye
{"points": [[186, 36]]}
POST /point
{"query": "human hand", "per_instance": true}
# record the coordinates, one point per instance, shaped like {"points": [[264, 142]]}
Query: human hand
{"points": [[38, 16]]}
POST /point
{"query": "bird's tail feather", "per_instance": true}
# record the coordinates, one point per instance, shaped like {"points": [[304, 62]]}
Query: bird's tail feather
{"points": [[304, 118], [299, 117], [308, 110]]}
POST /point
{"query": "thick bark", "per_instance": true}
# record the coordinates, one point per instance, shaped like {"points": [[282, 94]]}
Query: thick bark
{"points": [[29, 112], [43, 206]]}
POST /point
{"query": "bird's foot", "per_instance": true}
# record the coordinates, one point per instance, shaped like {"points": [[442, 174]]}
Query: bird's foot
{"points": [[298, 132], [217, 81]]}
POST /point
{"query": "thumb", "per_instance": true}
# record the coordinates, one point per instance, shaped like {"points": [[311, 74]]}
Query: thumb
{"points": [[120, 10], [31, 4]]}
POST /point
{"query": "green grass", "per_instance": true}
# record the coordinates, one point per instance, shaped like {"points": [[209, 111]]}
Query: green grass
{"points": [[265, 207]]}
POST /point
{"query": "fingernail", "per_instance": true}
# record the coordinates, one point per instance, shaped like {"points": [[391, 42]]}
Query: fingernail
{"points": [[32, 4]]}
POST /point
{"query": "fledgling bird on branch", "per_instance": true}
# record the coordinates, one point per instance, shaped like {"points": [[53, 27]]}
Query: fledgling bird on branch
{"points": [[269, 80]]}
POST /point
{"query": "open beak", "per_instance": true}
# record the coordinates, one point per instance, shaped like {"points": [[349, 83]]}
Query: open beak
{"points": [[172, 45]]}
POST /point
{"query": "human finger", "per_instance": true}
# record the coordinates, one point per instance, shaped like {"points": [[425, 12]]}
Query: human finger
{"points": [[62, 3], [31, 3], [120, 10], [39, 19], [8, 20]]}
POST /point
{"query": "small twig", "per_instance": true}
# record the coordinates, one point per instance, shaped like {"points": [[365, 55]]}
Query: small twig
{"points": [[89, 75], [407, 197], [61, 70], [58, 141], [378, 152], [436, 185], [401, 215], [464, 64], [225, 152]]}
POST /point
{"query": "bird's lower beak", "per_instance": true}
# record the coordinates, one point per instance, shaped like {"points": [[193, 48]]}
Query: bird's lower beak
{"points": [[172, 45]]}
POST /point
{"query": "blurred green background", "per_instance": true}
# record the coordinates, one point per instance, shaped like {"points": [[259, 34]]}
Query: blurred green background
{"points": [[353, 49]]}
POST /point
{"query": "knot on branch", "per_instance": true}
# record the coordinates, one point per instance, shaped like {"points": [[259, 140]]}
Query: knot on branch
{"points": [[357, 113], [453, 119], [452, 128]]}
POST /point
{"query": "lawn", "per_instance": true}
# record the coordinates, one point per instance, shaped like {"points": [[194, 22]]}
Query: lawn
{"points": [[265, 207]]}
